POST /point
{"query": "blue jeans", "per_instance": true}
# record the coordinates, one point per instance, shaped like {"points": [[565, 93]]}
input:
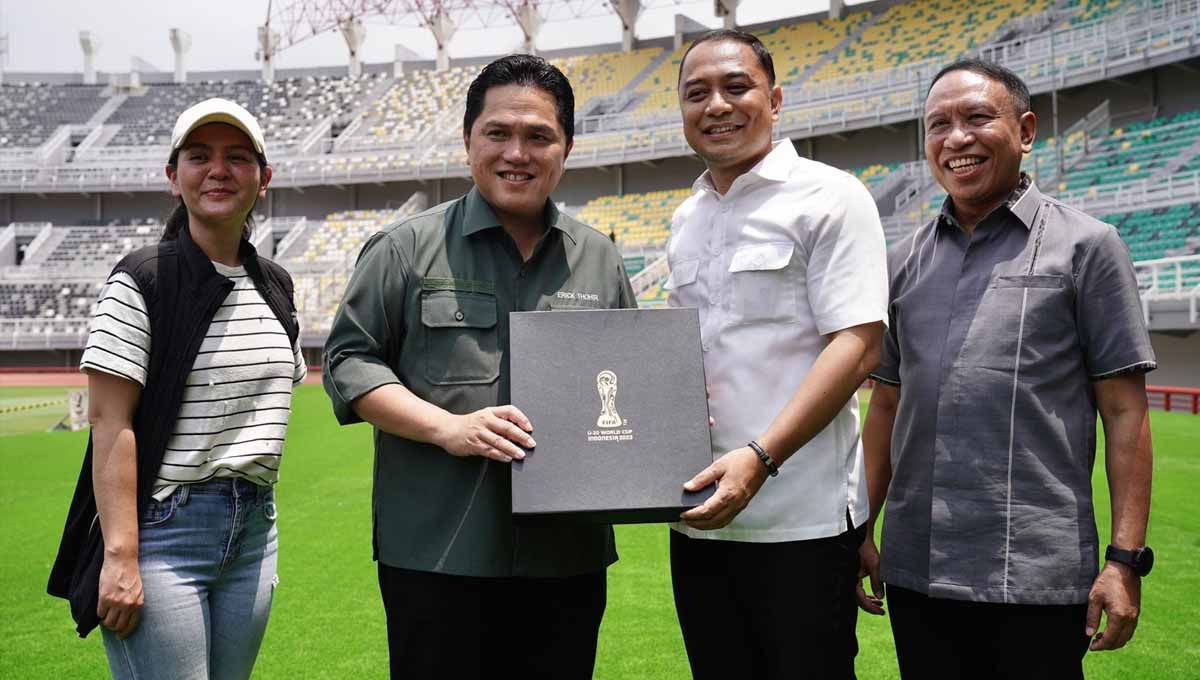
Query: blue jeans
{"points": [[207, 556]]}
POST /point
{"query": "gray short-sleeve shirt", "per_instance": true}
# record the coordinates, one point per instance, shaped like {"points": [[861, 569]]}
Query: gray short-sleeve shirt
{"points": [[995, 339]]}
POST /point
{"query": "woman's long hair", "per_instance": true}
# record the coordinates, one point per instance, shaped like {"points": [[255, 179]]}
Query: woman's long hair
{"points": [[178, 219]]}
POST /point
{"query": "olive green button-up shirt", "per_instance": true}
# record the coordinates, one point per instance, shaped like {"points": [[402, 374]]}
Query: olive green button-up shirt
{"points": [[427, 307]]}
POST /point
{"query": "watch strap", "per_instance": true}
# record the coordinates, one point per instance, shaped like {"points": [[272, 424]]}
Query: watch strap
{"points": [[1135, 559]]}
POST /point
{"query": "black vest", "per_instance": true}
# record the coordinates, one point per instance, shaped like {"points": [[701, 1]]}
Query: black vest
{"points": [[182, 291]]}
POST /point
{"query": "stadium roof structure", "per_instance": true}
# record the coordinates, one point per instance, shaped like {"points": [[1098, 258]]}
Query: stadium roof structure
{"points": [[300, 19], [297, 20]]}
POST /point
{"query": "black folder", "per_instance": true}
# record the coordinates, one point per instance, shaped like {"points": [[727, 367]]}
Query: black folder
{"points": [[619, 412]]}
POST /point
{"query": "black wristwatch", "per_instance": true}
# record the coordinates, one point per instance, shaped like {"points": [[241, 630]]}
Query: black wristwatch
{"points": [[1141, 560]]}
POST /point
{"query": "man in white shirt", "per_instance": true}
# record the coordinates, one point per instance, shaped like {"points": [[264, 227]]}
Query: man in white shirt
{"points": [[785, 260]]}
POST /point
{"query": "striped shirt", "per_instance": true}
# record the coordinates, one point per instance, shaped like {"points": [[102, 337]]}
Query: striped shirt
{"points": [[236, 404]]}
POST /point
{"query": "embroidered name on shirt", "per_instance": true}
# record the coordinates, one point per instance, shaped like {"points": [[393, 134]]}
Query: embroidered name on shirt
{"points": [[577, 296]]}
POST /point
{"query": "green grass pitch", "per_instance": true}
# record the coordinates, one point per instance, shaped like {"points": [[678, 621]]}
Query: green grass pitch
{"points": [[327, 620]]}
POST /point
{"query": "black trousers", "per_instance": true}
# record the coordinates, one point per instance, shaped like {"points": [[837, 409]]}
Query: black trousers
{"points": [[461, 628], [939, 638], [767, 610]]}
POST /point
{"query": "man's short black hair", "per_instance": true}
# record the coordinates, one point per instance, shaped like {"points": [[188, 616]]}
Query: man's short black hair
{"points": [[722, 34], [1018, 92], [529, 71]]}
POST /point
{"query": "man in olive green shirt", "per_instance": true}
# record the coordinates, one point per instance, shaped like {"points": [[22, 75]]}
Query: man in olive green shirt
{"points": [[419, 348]]}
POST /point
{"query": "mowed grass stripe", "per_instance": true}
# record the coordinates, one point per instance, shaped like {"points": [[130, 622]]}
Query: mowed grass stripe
{"points": [[327, 620]]}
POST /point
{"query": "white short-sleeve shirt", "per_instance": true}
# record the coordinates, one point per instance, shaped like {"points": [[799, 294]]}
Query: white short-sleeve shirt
{"points": [[793, 252]]}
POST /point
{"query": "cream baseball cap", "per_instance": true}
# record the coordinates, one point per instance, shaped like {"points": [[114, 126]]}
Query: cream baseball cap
{"points": [[217, 110]]}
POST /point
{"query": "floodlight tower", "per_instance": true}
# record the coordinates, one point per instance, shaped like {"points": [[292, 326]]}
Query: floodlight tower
{"points": [[181, 42], [3, 54], [136, 64], [727, 11], [268, 45], [355, 34], [627, 11], [530, 21], [403, 54], [684, 25], [90, 45], [300, 20], [442, 27]]}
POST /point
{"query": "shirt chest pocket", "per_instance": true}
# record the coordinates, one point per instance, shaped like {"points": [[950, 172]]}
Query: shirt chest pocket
{"points": [[462, 342], [680, 282], [763, 286], [1034, 312]]}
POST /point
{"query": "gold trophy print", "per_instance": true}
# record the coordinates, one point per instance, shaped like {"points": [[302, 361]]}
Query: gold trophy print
{"points": [[606, 385]]}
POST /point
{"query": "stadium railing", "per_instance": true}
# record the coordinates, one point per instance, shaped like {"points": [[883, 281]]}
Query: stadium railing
{"points": [[31, 334], [1167, 285], [20, 156], [1171, 278], [653, 273], [1146, 193], [1160, 396], [1170, 292]]}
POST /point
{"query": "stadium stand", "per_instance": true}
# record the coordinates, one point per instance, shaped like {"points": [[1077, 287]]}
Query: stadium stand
{"points": [[317, 297], [925, 29], [640, 220], [96, 247], [57, 300], [416, 101], [794, 47], [655, 296], [412, 104], [860, 71], [821, 64], [604, 74], [657, 89], [30, 112], [1159, 232], [1082, 11], [873, 175], [1138, 151], [341, 234], [287, 109], [324, 258]]}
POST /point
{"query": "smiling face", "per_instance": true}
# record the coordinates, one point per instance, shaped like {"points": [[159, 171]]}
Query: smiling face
{"points": [[728, 107], [974, 141], [517, 151], [218, 176]]}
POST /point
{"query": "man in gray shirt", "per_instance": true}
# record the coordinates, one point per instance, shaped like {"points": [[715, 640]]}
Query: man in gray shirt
{"points": [[1013, 320]]}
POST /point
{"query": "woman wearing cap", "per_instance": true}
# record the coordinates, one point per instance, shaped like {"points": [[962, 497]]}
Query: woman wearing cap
{"points": [[191, 360]]}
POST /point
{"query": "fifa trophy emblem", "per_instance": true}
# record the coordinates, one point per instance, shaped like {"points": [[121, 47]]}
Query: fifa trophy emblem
{"points": [[606, 385]]}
